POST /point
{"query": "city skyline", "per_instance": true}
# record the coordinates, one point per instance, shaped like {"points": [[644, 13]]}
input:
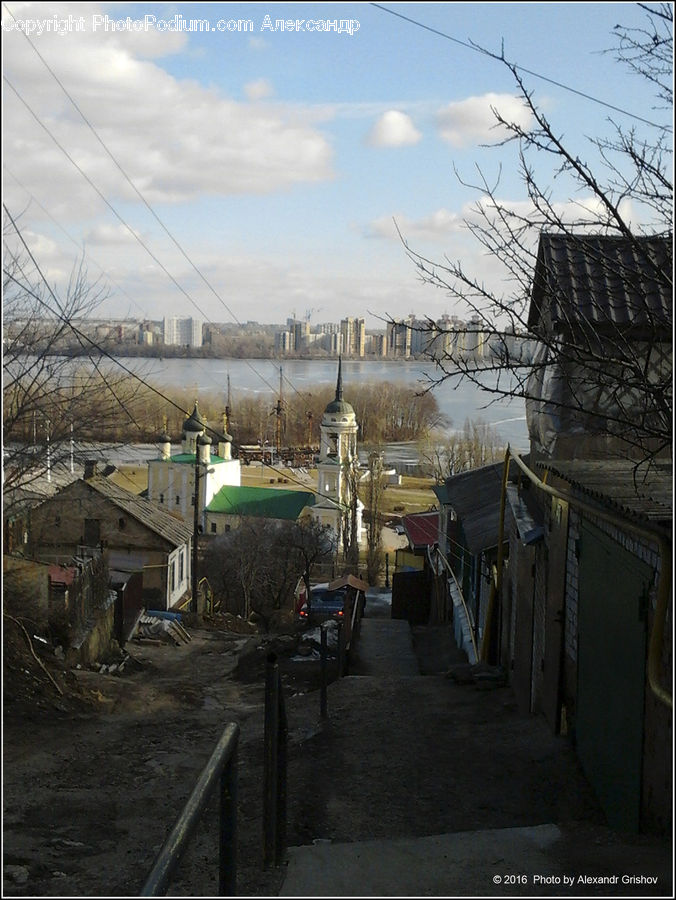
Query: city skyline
{"points": [[279, 159]]}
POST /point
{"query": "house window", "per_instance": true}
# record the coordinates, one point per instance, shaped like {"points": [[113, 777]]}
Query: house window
{"points": [[92, 532], [173, 577], [213, 528], [178, 500], [180, 567], [121, 523], [161, 498]]}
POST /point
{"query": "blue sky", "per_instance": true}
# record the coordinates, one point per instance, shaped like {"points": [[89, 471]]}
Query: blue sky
{"points": [[278, 159]]}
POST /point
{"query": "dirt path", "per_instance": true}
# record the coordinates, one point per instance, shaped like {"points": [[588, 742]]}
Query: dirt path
{"points": [[94, 780]]}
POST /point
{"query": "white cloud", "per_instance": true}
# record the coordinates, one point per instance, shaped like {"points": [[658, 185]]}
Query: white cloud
{"points": [[393, 129], [176, 139], [472, 121], [259, 89], [435, 227]]}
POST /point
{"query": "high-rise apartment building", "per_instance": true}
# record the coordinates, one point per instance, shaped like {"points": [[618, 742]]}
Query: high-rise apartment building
{"points": [[183, 332], [354, 336]]}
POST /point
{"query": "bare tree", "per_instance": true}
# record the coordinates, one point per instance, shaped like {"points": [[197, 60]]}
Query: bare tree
{"points": [[350, 499], [602, 363], [476, 444], [49, 398], [254, 568], [372, 497]]}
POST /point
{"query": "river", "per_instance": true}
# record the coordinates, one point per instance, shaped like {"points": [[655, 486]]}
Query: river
{"points": [[457, 402]]}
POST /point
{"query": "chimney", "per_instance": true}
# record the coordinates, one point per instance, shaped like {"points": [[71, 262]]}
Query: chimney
{"points": [[90, 468]]}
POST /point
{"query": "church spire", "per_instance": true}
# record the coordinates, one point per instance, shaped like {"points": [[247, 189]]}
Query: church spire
{"points": [[339, 383]]}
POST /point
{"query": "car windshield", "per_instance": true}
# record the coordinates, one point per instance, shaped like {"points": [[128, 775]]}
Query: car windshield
{"points": [[324, 597]]}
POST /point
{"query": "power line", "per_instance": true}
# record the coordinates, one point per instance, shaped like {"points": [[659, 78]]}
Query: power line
{"points": [[481, 50], [82, 336], [138, 193]]}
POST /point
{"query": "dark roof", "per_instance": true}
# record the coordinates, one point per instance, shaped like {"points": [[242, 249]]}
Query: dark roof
{"points": [[475, 498], [422, 528], [173, 530], [262, 503], [637, 492], [603, 281], [195, 421]]}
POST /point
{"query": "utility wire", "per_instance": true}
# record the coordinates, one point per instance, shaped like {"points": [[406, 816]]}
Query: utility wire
{"points": [[137, 191], [83, 337], [120, 218], [477, 49]]}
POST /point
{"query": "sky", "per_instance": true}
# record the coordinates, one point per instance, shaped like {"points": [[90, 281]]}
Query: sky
{"points": [[279, 151]]}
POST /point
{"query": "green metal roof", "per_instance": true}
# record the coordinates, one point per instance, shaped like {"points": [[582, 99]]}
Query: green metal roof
{"points": [[189, 459], [262, 503]]}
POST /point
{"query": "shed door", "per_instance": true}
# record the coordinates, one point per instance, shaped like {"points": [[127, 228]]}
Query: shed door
{"points": [[554, 613], [613, 585]]}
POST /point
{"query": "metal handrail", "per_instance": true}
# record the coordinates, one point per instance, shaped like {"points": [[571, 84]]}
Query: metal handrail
{"points": [[274, 780], [221, 767], [470, 617]]}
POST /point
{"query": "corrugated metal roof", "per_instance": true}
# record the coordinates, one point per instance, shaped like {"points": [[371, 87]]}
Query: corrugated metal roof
{"points": [[604, 281], [475, 497], [264, 503], [162, 523], [642, 492]]}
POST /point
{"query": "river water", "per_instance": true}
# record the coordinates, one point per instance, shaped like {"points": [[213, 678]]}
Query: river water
{"points": [[457, 402]]}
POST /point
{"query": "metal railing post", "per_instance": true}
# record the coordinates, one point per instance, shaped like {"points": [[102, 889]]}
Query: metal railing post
{"points": [[283, 729], [227, 872], [271, 760], [323, 653], [222, 760], [341, 649]]}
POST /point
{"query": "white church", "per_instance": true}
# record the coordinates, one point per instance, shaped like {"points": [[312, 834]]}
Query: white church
{"points": [[171, 479]]}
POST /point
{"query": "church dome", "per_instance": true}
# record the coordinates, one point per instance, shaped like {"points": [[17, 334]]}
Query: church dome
{"points": [[195, 421], [203, 440]]}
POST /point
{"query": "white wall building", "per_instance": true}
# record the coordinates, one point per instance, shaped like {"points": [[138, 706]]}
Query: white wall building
{"points": [[183, 332], [171, 479], [338, 447]]}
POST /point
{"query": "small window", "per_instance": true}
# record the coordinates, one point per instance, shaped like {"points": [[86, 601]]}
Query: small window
{"points": [[121, 523], [178, 500], [213, 528], [161, 498]]}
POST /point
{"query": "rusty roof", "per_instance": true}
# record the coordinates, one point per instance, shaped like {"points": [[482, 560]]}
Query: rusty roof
{"points": [[637, 491], [422, 528], [604, 281]]}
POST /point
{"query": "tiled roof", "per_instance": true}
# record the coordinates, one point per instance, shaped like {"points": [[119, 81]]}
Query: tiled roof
{"points": [[162, 523], [263, 503], [644, 493], [603, 281]]}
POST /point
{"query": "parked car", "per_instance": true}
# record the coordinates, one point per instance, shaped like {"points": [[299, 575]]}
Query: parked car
{"points": [[324, 604]]}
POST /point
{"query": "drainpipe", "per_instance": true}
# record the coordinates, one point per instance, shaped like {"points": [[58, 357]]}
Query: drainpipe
{"points": [[663, 588]]}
